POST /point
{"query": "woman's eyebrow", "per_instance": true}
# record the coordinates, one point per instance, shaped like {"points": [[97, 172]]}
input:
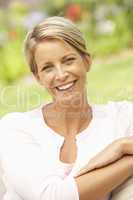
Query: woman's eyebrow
{"points": [[45, 64], [50, 63], [71, 54]]}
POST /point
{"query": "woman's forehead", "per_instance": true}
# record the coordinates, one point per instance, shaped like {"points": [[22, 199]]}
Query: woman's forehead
{"points": [[51, 49]]}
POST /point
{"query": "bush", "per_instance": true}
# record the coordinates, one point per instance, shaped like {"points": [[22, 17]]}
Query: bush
{"points": [[12, 62]]}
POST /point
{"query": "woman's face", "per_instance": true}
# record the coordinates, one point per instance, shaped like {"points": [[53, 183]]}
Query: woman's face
{"points": [[61, 69]]}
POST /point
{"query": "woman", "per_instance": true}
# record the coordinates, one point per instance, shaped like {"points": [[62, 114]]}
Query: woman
{"points": [[66, 149]]}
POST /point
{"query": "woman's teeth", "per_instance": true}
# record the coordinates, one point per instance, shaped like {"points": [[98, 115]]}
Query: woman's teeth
{"points": [[66, 87]]}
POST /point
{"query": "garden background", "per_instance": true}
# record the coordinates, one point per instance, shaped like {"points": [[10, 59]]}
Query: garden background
{"points": [[107, 26]]}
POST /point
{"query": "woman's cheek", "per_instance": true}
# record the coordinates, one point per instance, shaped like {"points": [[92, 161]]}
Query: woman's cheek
{"points": [[46, 79], [79, 69]]}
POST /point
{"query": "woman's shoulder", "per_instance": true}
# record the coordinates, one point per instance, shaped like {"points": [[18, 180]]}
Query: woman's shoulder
{"points": [[16, 118], [10, 120], [124, 108], [16, 126], [116, 107], [121, 115], [17, 121], [119, 111], [121, 104], [13, 119]]}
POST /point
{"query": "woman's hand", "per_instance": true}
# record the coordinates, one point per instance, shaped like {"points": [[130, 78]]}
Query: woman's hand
{"points": [[113, 152]]}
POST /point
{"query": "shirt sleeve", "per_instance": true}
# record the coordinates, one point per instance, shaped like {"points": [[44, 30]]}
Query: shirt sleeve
{"points": [[123, 115], [128, 115], [2, 187], [129, 131], [125, 119], [25, 170]]}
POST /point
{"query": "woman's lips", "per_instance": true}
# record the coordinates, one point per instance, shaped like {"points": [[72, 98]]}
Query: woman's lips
{"points": [[66, 87]]}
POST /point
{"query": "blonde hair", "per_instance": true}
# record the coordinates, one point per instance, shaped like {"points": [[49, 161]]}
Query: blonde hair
{"points": [[54, 28]]}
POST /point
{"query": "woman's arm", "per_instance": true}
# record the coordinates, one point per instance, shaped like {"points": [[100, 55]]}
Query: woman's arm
{"points": [[96, 184], [110, 154]]}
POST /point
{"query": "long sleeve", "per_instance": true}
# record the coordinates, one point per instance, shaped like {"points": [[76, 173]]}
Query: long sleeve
{"points": [[125, 109], [27, 172], [129, 131], [2, 188], [124, 115]]}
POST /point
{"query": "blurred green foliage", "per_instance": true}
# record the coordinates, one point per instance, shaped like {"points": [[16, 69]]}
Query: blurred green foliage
{"points": [[107, 26], [12, 63]]}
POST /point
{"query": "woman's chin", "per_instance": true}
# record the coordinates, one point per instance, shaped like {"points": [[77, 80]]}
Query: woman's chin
{"points": [[65, 98], [68, 100]]}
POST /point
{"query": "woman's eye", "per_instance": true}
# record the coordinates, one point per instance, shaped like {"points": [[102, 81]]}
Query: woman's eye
{"points": [[47, 68], [69, 61]]}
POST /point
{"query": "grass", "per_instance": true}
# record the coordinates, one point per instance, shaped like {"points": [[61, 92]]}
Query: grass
{"points": [[110, 79]]}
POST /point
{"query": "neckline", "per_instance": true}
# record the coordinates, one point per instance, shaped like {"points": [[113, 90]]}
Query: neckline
{"points": [[80, 135]]}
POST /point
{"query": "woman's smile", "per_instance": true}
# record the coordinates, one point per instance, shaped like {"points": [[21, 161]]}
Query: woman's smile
{"points": [[66, 87]]}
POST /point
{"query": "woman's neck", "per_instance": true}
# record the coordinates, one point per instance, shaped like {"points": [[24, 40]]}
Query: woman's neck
{"points": [[70, 119]]}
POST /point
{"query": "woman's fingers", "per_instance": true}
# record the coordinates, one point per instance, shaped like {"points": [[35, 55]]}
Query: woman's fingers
{"points": [[127, 144], [91, 165], [81, 172], [84, 170], [95, 163]]}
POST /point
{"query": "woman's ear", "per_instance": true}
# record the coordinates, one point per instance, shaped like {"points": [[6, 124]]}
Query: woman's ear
{"points": [[88, 61]]}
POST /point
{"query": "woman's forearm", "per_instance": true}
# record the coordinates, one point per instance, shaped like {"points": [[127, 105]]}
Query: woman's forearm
{"points": [[97, 184]]}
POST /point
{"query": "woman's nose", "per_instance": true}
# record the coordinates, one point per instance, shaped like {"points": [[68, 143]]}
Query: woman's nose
{"points": [[61, 74]]}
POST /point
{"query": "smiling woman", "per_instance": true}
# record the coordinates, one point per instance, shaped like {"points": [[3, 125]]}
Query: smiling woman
{"points": [[62, 72], [66, 148]]}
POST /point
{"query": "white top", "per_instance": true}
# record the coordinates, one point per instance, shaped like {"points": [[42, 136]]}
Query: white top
{"points": [[29, 151]]}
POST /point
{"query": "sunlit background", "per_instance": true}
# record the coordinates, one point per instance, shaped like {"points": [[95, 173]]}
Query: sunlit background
{"points": [[107, 26]]}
